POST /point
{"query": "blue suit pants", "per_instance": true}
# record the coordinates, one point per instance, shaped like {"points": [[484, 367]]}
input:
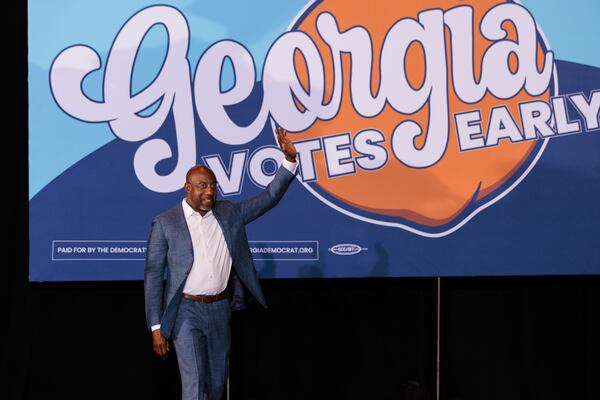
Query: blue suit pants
{"points": [[201, 335]]}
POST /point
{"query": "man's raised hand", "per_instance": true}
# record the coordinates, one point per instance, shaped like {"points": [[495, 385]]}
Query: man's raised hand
{"points": [[286, 145]]}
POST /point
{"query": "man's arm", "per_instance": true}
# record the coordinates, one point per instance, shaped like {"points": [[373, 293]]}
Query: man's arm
{"points": [[154, 269], [256, 206]]}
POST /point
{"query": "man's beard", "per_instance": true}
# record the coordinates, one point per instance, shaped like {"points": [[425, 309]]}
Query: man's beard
{"points": [[206, 208]]}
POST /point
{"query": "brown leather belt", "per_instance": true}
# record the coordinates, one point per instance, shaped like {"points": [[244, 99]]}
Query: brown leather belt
{"points": [[206, 298]]}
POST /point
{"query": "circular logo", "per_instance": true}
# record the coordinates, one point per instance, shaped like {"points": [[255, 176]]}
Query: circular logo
{"points": [[419, 87]]}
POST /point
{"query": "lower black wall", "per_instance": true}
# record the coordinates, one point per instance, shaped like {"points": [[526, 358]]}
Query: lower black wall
{"points": [[521, 338], [502, 338]]}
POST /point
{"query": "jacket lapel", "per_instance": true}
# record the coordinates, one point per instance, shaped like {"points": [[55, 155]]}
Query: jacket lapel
{"points": [[224, 224], [181, 226]]}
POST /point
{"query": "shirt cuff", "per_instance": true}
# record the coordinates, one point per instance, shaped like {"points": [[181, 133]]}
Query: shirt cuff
{"points": [[290, 166], [155, 327]]}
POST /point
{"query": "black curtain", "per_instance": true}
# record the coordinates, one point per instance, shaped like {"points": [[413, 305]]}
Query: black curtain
{"points": [[501, 338], [520, 338]]}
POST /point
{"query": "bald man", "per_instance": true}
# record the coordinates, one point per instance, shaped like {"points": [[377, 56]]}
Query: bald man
{"points": [[202, 245]]}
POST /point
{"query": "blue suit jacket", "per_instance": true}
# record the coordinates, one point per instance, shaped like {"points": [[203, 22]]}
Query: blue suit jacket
{"points": [[170, 247]]}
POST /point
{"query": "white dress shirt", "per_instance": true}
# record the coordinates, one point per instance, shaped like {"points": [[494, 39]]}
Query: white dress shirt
{"points": [[212, 261]]}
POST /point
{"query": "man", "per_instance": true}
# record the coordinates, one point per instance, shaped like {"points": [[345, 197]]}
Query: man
{"points": [[203, 246]]}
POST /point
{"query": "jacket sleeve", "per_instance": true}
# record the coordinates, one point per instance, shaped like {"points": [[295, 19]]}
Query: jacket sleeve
{"points": [[256, 206], [154, 269]]}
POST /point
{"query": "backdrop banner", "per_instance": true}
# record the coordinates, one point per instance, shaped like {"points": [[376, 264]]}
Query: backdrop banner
{"points": [[438, 138]]}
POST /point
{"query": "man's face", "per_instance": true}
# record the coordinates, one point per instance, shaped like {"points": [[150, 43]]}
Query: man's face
{"points": [[201, 190]]}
